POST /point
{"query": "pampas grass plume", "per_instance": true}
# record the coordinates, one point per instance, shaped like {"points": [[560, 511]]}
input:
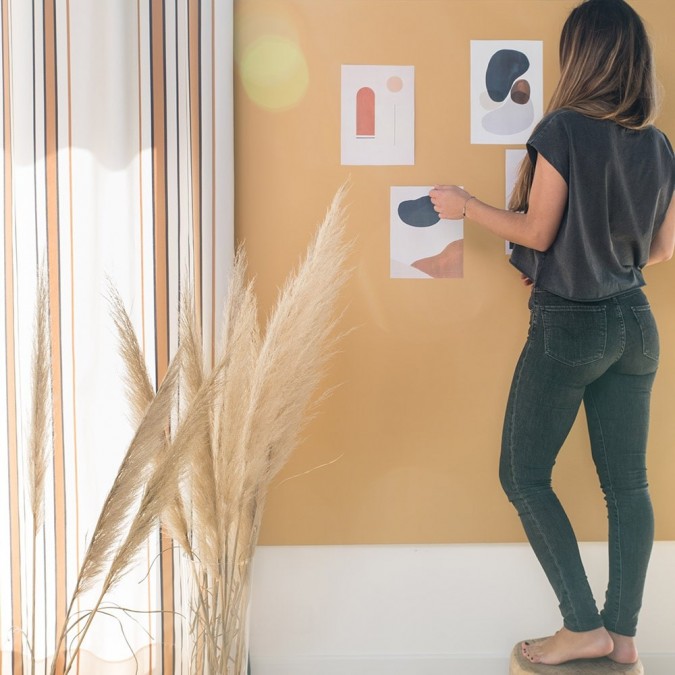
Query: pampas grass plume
{"points": [[298, 341], [40, 415], [210, 441], [130, 480], [259, 411]]}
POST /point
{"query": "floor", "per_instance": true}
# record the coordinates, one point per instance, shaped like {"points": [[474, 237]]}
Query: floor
{"points": [[653, 665]]}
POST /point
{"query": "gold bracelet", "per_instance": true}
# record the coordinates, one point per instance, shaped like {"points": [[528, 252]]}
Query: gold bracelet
{"points": [[465, 203]]}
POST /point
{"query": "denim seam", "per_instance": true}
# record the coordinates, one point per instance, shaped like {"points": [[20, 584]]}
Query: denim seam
{"points": [[616, 506], [517, 485], [622, 322]]}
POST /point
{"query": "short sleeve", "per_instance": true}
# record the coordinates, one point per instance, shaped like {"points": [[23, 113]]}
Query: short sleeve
{"points": [[672, 162], [551, 140]]}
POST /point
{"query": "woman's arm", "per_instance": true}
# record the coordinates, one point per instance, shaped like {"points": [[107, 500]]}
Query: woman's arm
{"points": [[535, 229], [664, 241]]}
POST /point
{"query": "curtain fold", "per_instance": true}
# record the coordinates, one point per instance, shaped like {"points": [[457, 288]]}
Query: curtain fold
{"points": [[117, 168]]}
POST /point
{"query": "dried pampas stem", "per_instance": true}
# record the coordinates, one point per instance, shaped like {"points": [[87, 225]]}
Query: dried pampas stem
{"points": [[39, 425], [295, 350], [108, 540], [210, 441], [130, 479], [140, 391], [40, 403], [258, 414], [201, 482], [138, 462]]}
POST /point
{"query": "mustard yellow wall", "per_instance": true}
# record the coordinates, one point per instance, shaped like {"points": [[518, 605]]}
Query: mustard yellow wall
{"points": [[415, 425]]}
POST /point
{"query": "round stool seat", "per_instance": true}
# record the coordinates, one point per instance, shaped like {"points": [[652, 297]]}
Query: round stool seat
{"points": [[521, 666]]}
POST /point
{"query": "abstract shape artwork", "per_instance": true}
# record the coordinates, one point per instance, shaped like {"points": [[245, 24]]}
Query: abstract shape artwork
{"points": [[504, 68], [418, 212], [365, 113], [448, 264], [506, 90], [378, 115], [422, 245], [394, 83], [520, 92], [509, 119]]}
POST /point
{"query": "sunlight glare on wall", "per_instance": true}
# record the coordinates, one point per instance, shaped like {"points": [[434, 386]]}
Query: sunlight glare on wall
{"points": [[271, 63]]}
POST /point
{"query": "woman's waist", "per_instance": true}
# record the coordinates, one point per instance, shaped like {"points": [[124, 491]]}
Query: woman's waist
{"points": [[632, 296]]}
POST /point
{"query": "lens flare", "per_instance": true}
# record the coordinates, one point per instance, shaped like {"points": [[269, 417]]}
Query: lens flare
{"points": [[274, 72], [271, 64]]}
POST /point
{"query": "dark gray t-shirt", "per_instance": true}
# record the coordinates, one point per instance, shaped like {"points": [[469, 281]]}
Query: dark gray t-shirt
{"points": [[620, 184]]}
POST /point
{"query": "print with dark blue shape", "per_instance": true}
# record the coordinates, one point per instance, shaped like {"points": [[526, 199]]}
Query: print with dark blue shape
{"points": [[504, 68], [418, 212]]}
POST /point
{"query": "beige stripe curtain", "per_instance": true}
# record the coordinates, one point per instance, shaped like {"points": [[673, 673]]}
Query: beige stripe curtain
{"points": [[117, 166]]}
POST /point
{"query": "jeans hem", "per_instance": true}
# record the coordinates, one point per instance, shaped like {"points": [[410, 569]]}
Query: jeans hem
{"points": [[585, 629]]}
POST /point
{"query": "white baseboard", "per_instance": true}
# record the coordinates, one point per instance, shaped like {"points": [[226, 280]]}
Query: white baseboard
{"points": [[425, 610], [658, 664], [374, 666]]}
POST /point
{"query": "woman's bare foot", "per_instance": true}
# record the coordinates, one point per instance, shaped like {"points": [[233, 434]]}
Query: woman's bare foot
{"points": [[624, 650], [566, 645]]}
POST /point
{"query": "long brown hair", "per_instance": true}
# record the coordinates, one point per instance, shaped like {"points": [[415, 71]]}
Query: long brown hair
{"points": [[606, 72]]}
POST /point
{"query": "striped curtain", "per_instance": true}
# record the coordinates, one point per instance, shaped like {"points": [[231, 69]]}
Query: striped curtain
{"points": [[117, 165]]}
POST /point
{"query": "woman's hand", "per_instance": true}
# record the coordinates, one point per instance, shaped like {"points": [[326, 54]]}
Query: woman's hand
{"points": [[449, 200], [526, 280], [536, 229]]}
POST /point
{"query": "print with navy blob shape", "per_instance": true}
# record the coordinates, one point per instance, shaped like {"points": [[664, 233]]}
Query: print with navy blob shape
{"points": [[422, 244], [506, 90]]}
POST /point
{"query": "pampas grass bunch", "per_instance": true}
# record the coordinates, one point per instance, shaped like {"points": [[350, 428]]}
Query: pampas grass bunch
{"points": [[265, 383], [207, 445]]}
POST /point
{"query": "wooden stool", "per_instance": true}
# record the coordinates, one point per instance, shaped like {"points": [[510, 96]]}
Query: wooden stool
{"points": [[521, 666]]}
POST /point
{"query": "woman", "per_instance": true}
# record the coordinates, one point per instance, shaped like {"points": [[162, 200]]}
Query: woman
{"points": [[593, 205]]}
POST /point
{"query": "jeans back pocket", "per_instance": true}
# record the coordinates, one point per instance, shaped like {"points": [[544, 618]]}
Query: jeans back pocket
{"points": [[575, 336], [650, 334]]}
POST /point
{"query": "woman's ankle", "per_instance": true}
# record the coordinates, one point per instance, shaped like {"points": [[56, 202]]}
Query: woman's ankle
{"points": [[625, 649]]}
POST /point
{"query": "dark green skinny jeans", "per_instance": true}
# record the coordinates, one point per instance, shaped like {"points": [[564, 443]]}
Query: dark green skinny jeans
{"points": [[605, 354]]}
